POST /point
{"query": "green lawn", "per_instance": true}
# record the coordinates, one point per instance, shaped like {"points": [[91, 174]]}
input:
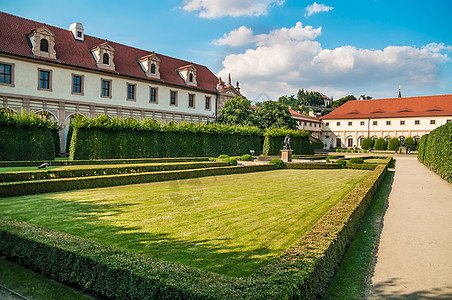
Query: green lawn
{"points": [[18, 169], [230, 224]]}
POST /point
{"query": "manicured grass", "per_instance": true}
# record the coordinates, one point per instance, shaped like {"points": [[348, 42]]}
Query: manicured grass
{"points": [[374, 161], [230, 224], [18, 169], [33, 285], [349, 281]]}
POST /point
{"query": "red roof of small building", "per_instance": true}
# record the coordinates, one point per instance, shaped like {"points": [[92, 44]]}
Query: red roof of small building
{"points": [[13, 40], [423, 106], [296, 114]]}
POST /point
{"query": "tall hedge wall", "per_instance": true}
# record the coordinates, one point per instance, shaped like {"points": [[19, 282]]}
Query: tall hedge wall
{"points": [[120, 138], [25, 136], [435, 151], [299, 142]]}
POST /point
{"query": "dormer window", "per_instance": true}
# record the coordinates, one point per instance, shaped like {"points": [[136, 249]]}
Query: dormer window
{"points": [[77, 31], [150, 65], [79, 34], [43, 42], [44, 45], [188, 74], [106, 59], [103, 54]]}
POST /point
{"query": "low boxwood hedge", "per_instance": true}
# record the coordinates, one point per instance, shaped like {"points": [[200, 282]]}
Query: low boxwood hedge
{"points": [[312, 166], [8, 189], [301, 272]]}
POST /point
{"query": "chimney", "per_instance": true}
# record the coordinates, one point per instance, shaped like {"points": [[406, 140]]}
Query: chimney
{"points": [[77, 31]]}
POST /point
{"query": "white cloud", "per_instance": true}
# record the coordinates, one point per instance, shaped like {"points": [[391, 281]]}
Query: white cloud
{"points": [[234, 8], [317, 8], [244, 36], [287, 59]]}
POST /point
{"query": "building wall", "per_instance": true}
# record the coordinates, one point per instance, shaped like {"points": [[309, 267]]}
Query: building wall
{"points": [[332, 130], [314, 127]]}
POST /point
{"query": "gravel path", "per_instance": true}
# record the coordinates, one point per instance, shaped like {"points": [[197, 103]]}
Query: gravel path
{"points": [[414, 257]]}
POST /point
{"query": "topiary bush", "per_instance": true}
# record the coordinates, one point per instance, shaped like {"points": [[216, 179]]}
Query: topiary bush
{"points": [[393, 144], [231, 161], [278, 163], [246, 157], [367, 144], [410, 144], [380, 144], [341, 162], [356, 160], [223, 156]]}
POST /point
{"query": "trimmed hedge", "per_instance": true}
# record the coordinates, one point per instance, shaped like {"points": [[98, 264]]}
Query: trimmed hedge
{"points": [[380, 144], [393, 144], [299, 142], [312, 166], [9, 189], [435, 151], [105, 137], [367, 143], [302, 271], [99, 171]]}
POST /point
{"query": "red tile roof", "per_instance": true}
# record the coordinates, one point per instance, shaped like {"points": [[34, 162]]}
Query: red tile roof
{"points": [[423, 106], [13, 40], [296, 114]]}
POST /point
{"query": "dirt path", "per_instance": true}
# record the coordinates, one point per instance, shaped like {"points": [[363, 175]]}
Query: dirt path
{"points": [[414, 258]]}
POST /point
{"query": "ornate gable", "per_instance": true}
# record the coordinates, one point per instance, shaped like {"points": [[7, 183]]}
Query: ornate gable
{"points": [[43, 42], [104, 55], [151, 65], [188, 74]]}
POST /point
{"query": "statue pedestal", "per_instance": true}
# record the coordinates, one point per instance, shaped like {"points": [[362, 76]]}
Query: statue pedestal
{"points": [[286, 155]]}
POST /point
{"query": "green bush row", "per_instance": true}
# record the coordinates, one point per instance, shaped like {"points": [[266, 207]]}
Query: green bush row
{"points": [[312, 166], [8, 189], [99, 171], [301, 272], [435, 151]]}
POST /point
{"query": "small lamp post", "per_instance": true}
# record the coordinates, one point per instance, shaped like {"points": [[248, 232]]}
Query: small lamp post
{"points": [[252, 154]]}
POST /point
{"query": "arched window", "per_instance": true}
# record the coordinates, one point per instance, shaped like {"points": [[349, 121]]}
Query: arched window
{"points": [[152, 68], [106, 59], [190, 77], [44, 45]]}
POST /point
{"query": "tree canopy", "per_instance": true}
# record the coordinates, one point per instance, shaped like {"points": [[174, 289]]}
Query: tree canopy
{"points": [[237, 111], [343, 100]]}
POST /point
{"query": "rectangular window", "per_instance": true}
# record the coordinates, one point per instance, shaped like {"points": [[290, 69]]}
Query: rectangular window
{"points": [[207, 107], [153, 95], [191, 100], [77, 84], [417, 122], [388, 122], [402, 122], [432, 122], [6, 74], [350, 123], [375, 123], [106, 88], [448, 121], [173, 98], [45, 80], [327, 124], [131, 91], [361, 123], [338, 123]]}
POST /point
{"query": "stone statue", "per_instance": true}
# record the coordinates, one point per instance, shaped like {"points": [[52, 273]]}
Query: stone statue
{"points": [[286, 143]]}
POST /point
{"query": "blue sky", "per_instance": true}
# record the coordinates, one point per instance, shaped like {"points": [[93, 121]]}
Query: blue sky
{"points": [[275, 47]]}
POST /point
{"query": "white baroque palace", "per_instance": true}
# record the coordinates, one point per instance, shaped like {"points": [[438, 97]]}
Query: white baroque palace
{"points": [[59, 72], [349, 124]]}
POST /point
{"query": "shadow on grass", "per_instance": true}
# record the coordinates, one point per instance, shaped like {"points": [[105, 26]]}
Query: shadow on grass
{"points": [[84, 219], [385, 290]]}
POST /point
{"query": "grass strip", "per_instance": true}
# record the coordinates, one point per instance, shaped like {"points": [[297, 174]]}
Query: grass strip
{"points": [[350, 279], [10, 189]]}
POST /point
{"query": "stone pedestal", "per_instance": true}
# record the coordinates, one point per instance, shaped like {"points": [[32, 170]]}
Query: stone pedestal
{"points": [[286, 155]]}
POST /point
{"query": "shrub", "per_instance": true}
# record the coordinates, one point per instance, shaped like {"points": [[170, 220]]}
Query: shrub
{"points": [[435, 151], [380, 144], [356, 160], [338, 150], [341, 162], [223, 156], [299, 141], [393, 144], [278, 163], [410, 143], [367, 143], [231, 161], [364, 151], [246, 157], [355, 151], [349, 150]]}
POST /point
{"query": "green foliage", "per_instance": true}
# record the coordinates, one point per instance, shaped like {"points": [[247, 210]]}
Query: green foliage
{"points": [[273, 114], [356, 160], [435, 151], [393, 144], [223, 156], [278, 163], [246, 157], [410, 144], [274, 138], [312, 166], [343, 100], [238, 111], [341, 162], [232, 161], [339, 150], [380, 144], [105, 137], [316, 144], [367, 143]]}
